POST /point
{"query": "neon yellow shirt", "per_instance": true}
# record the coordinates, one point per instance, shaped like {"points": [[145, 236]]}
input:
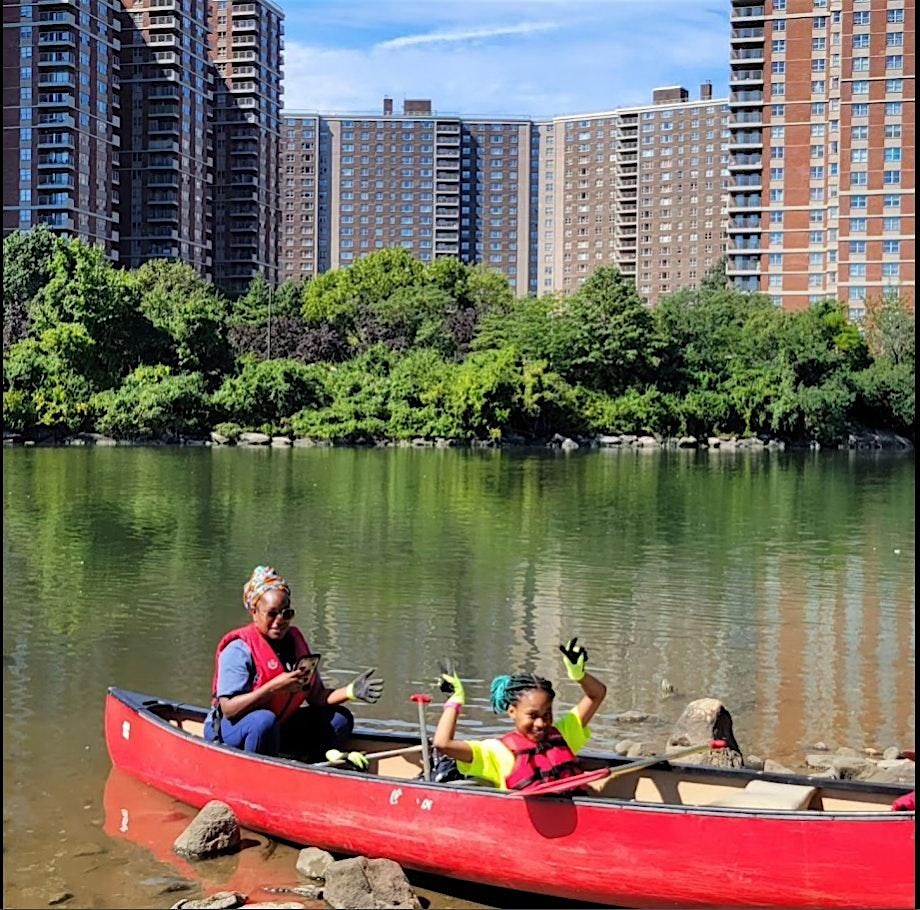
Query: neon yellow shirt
{"points": [[493, 761]]}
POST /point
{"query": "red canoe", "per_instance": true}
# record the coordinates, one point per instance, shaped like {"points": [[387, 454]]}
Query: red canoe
{"points": [[664, 836]]}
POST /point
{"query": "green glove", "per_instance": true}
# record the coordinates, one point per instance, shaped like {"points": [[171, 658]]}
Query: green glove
{"points": [[574, 656], [358, 759], [365, 688], [450, 682]]}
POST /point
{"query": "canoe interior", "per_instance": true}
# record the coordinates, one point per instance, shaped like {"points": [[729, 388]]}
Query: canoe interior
{"points": [[683, 785]]}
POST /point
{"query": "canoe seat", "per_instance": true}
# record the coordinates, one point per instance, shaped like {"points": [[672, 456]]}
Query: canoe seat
{"points": [[195, 727], [767, 794], [467, 782]]}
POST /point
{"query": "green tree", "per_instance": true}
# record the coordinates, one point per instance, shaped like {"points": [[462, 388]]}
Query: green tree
{"points": [[189, 313], [269, 392], [26, 268], [890, 328]]}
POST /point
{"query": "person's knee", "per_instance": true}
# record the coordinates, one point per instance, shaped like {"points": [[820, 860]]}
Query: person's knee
{"points": [[343, 721], [261, 732]]}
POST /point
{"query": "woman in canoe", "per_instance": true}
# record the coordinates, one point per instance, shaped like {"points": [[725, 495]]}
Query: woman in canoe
{"points": [[538, 749], [266, 697]]}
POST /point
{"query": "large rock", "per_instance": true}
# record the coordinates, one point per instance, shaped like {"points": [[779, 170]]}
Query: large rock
{"points": [[253, 439], [703, 720], [312, 863], [368, 883], [213, 830]]}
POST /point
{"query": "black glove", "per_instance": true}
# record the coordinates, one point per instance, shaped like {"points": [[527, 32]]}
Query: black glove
{"points": [[574, 656], [366, 688]]}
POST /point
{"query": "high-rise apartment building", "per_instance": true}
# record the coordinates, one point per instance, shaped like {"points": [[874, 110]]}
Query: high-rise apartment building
{"points": [[433, 184], [61, 129], [246, 41], [166, 163], [822, 160], [640, 188]]}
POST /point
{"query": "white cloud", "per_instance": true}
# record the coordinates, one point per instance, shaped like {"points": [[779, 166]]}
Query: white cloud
{"points": [[468, 34]]}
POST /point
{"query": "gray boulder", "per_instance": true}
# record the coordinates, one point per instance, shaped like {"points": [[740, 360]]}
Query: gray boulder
{"points": [[253, 439], [213, 830], [312, 863], [368, 883], [703, 720], [774, 767], [641, 750]]}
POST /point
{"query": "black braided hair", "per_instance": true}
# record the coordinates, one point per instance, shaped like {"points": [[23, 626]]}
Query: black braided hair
{"points": [[507, 690]]}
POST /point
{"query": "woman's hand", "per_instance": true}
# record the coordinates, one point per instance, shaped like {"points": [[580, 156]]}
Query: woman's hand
{"points": [[290, 681]]}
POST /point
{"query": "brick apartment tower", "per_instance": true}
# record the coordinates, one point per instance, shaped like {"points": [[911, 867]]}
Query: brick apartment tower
{"points": [[640, 188], [822, 160], [433, 184], [166, 163], [246, 48], [61, 118]]}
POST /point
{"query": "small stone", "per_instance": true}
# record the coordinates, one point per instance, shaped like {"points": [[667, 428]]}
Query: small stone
{"points": [[622, 747], [774, 767], [221, 900], [871, 752], [642, 750], [312, 863], [754, 762], [820, 746], [819, 761], [60, 898], [631, 717], [891, 753]]}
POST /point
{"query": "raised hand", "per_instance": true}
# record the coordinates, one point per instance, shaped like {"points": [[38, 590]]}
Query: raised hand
{"points": [[366, 687], [574, 656], [450, 682]]}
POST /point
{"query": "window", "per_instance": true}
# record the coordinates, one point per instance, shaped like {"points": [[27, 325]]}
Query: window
{"points": [[895, 15], [861, 155], [818, 44], [859, 178], [860, 64], [893, 131], [819, 65], [860, 86], [858, 133], [893, 108], [891, 224], [860, 110], [860, 41], [816, 173], [861, 17], [858, 246], [891, 178], [858, 225], [891, 246], [891, 269], [778, 67], [778, 46], [894, 39], [894, 86], [859, 201], [817, 86], [893, 153], [891, 201], [894, 62], [777, 89], [776, 195]]}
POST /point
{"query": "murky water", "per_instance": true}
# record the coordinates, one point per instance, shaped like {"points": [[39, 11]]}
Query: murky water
{"points": [[781, 584]]}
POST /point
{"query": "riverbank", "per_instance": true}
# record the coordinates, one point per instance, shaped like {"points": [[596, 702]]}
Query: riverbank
{"points": [[866, 439]]}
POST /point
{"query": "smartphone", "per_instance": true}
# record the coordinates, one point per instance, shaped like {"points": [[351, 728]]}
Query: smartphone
{"points": [[309, 663]]}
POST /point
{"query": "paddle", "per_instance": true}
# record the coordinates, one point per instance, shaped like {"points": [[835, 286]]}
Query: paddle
{"points": [[370, 756], [421, 699], [566, 784]]}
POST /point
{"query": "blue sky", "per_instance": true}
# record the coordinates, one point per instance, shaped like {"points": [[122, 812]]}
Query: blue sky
{"points": [[534, 58]]}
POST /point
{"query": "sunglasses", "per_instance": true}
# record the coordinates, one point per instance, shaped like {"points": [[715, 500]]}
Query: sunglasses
{"points": [[272, 615]]}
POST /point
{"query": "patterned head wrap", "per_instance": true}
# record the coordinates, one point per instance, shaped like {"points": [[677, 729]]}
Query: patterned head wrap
{"points": [[263, 578]]}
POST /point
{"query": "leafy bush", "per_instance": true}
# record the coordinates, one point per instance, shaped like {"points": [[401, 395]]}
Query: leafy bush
{"points": [[153, 402]]}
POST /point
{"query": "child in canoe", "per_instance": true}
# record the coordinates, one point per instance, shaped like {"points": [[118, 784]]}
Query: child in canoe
{"points": [[538, 749]]}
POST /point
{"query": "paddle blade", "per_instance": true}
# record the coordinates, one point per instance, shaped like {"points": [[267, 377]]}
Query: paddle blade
{"points": [[565, 785]]}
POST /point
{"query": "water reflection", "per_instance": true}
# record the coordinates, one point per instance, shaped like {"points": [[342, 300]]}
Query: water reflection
{"points": [[782, 584]]}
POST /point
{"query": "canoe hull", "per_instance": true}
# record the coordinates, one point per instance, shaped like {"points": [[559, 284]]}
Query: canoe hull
{"points": [[609, 852]]}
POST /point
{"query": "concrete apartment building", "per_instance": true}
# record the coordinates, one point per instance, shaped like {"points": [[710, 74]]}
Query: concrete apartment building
{"points": [[822, 160], [166, 165], [433, 184], [246, 40], [641, 188], [61, 126]]}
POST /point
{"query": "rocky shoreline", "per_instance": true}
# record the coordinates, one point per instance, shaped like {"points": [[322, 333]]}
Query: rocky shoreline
{"points": [[856, 440]]}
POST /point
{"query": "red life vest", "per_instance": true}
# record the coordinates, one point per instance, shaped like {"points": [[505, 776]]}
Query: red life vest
{"points": [[551, 759], [268, 666]]}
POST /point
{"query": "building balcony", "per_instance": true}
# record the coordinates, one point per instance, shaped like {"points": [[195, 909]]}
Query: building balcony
{"points": [[163, 145], [55, 140], [162, 216], [165, 22], [746, 182], [56, 79], [57, 58], [741, 140], [742, 99], [747, 13], [442, 128], [56, 37], [54, 180], [243, 9], [155, 127], [745, 77], [742, 162], [746, 118], [57, 17], [61, 119], [745, 243], [748, 54], [60, 222], [742, 202], [744, 223], [746, 35]]}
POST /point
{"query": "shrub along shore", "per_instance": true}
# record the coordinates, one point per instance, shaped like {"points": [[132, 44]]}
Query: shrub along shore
{"points": [[394, 350]]}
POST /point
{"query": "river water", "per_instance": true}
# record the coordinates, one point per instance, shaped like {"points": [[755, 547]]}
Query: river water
{"points": [[782, 584]]}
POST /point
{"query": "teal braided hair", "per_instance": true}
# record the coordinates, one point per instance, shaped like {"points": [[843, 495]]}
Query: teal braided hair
{"points": [[507, 690]]}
